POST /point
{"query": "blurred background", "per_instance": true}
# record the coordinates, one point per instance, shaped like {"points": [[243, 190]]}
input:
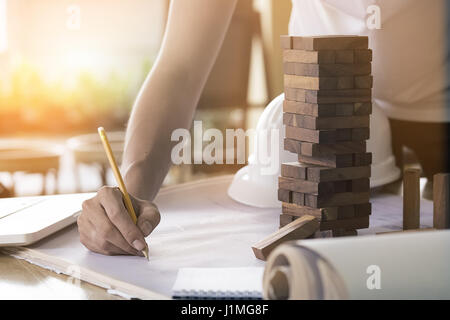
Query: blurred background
{"points": [[68, 67]]}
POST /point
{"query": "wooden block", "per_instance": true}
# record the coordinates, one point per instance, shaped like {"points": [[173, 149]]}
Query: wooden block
{"points": [[326, 136], [301, 186], [327, 213], [344, 232], [309, 149], [304, 56], [323, 187], [344, 83], [326, 109], [334, 161], [296, 210], [319, 173], [352, 223], [344, 134], [359, 134], [411, 199], [327, 56], [294, 170], [336, 199], [326, 70], [362, 159], [318, 150], [325, 83], [298, 229], [293, 146], [325, 99], [284, 195], [360, 109], [295, 94], [337, 96], [286, 42], [441, 201], [285, 219], [341, 186], [323, 123], [363, 209], [317, 136], [363, 82], [330, 42], [361, 56], [342, 147], [312, 109], [344, 109], [338, 160], [316, 173], [298, 198], [316, 83], [305, 186], [353, 56], [360, 184], [344, 56]]}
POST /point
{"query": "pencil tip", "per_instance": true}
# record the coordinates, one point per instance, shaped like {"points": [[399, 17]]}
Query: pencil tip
{"points": [[145, 252]]}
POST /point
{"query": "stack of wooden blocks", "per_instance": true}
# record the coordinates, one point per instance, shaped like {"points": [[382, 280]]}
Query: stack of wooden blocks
{"points": [[326, 113]]}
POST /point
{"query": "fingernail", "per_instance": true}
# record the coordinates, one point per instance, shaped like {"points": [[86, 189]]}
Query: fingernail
{"points": [[146, 228], [138, 245]]}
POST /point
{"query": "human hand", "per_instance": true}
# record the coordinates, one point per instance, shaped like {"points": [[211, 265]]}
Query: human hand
{"points": [[106, 227]]}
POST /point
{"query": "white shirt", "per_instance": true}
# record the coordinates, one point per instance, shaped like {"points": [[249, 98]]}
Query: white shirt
{"points": [[409, 51]]}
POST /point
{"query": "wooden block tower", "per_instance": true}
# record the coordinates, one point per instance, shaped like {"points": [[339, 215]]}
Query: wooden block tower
{"points": [[328, 93]]}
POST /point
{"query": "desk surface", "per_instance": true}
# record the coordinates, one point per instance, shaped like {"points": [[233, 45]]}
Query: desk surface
{"points": [[20, 279]]}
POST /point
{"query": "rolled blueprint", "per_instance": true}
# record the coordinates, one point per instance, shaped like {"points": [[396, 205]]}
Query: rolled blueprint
{"points": [[413, 265]]}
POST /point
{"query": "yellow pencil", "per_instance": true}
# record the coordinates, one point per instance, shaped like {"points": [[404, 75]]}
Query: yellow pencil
{"points": [[123, 189]]}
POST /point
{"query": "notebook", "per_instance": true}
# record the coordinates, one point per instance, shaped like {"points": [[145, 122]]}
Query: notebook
{"points": [[218, 283]]}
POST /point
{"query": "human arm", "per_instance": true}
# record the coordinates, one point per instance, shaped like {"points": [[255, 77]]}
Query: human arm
{"points": [[166, 101]]}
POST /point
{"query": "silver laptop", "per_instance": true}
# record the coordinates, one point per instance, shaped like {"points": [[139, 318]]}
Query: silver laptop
{"points": [[25, 220]]}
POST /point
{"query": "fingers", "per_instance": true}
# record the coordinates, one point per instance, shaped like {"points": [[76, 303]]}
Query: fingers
{"points": [[112, 202], [98, 234], [106, 227], [148, 218], [90, 241]]}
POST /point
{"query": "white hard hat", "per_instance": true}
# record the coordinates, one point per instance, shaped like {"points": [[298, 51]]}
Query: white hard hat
{"points": [[250, 186]]}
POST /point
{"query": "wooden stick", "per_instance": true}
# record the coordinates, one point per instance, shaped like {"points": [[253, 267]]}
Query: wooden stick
{"points": [[441, 201], [300, 228], [411, 199]]}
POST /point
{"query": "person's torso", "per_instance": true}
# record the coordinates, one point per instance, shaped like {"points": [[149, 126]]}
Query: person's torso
{"points": [[409, 50]]}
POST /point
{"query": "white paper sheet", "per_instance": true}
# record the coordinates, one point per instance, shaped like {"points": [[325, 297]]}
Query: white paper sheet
{"points": [[200, 227]]}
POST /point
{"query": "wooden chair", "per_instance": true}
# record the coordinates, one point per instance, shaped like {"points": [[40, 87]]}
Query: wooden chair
{"points": [[30, 157]]}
